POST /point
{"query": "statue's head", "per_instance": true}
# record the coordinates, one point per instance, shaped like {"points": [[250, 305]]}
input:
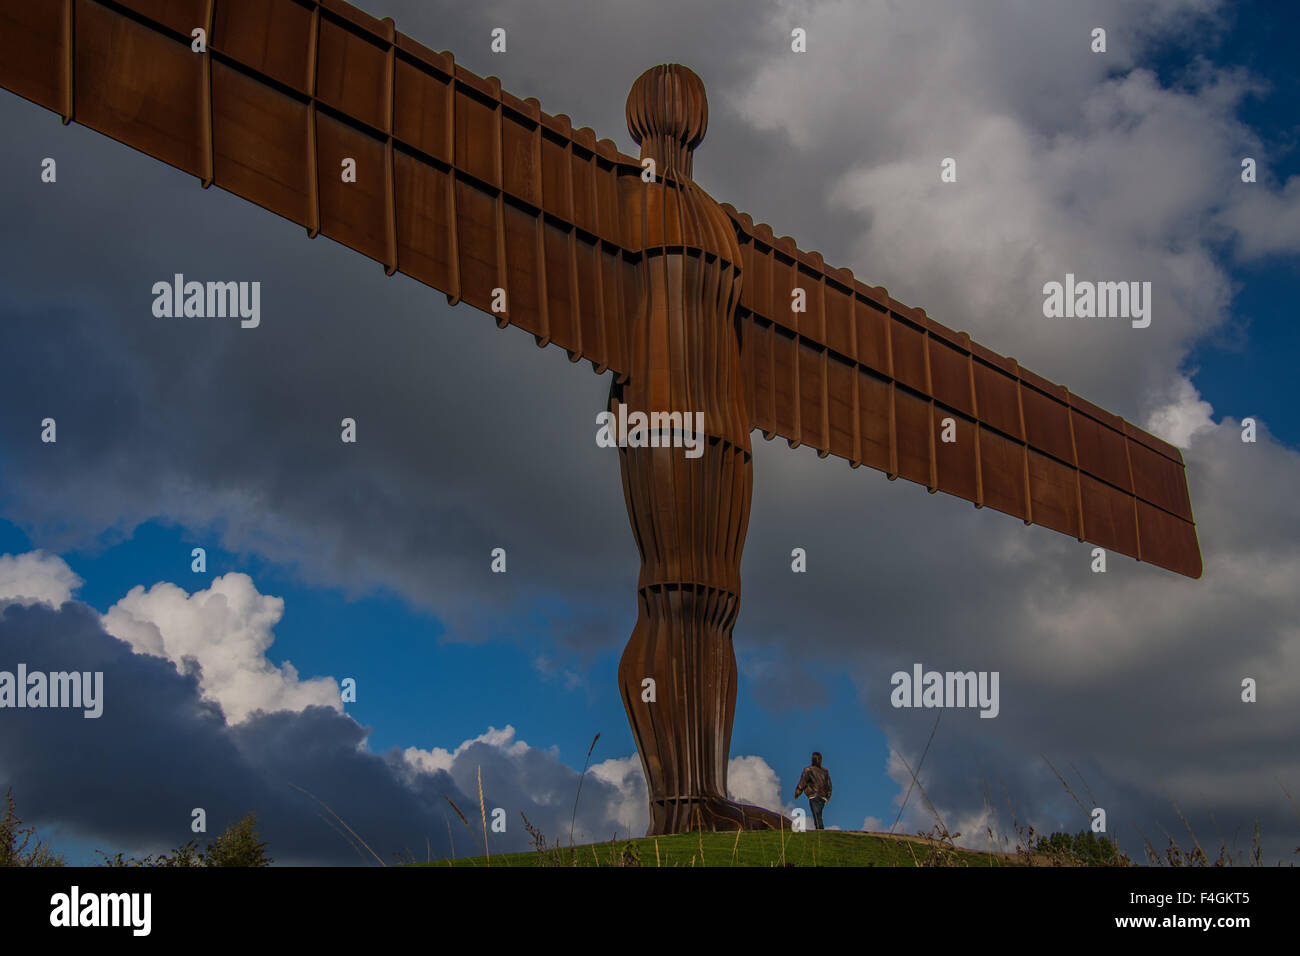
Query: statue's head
{"points": [[816, 759], [667, 114]]}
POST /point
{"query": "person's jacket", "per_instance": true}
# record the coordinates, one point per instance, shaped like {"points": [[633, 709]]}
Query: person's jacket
{"points": [[816, 782]]}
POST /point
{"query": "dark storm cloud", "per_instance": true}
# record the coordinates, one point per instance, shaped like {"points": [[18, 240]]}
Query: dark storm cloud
{"points": [[131, 777], [207, 423]]}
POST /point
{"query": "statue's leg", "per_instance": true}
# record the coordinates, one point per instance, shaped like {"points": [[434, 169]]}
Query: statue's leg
{"points": [[689, 517]]}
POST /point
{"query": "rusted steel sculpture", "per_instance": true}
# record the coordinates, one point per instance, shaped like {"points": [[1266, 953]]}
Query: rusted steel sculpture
{"points": [[689, 516], [475, 192]]}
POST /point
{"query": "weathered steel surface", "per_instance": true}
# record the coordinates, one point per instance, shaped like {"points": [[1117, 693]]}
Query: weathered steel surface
{"points": [[864, 377], [689, 515], [469, 189]]}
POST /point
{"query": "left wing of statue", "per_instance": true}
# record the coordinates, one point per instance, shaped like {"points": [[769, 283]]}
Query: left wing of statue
{"points": [[452, 180]]}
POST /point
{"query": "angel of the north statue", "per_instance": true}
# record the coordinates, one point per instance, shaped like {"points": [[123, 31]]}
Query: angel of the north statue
{"points": [[627, 264]]}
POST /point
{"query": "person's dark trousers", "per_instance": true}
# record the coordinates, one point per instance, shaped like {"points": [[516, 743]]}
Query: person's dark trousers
{"points": [[817, 803]]}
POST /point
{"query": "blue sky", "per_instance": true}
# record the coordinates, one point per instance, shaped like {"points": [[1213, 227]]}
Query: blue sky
{"points": [[814, 660], [1244, 371], [1246, 367]]}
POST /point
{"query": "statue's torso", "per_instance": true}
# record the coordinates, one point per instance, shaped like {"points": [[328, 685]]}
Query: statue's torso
{"points": [[683, 348], [689, 514]]}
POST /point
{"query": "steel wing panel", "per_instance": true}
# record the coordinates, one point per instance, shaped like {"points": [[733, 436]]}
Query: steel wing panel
{"points": [[864, 377], [459, 184]]}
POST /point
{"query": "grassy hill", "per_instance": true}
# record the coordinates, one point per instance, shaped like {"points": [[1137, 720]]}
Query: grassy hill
{"points": [[756, 848]]}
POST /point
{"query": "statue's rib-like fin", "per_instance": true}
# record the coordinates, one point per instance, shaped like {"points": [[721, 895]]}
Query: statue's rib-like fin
{"points": [[862, 376]]}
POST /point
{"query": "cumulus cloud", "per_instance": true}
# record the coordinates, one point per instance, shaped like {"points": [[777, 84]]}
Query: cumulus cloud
{"points": [[1183, 417], [628, 803], [613, 799], [751, 780], [227, 628], [535, 782], [502, 740], [36, 578]]}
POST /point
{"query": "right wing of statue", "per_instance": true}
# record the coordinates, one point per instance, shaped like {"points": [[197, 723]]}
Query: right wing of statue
{"points": [[864, 377]]}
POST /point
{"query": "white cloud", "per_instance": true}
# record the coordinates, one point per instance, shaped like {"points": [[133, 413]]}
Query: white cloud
{"points": [[36, 577], [536, 783], [613, 796], [628, 804], [428, 761], [228, 629], [1184, 416], [751, 780]]}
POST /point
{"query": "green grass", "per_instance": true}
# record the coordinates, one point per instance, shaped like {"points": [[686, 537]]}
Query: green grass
{"points": [[756, 848]]}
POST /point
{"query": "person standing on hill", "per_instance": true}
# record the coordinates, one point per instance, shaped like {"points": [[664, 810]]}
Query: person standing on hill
{"points": [[816, 782]]}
